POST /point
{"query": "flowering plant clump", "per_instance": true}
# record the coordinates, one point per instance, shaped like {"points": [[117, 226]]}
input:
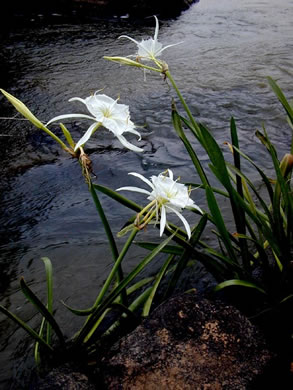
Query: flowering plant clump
{"points": [[264, 231], [108, 113], [167, 196]]}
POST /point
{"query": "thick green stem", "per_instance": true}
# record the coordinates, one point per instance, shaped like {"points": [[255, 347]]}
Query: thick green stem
{"points": [[184, 104]]}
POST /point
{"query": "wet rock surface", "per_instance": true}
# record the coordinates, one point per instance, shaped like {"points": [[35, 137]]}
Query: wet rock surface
{"points": [[63, 378], [188, 343]]}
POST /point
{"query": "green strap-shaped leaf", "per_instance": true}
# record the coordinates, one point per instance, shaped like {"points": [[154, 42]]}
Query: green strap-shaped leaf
{"points": [[238, 282], [41, 308], [170, 249], [110, 236], [195, 236], [262, 174], [281, 98], [118, 197], [49, 278], [176, 119], [27, 328], [163, 270], [86, 329]]}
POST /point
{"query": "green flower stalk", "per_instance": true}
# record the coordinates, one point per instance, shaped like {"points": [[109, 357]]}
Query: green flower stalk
{"points": [[23, 110]]}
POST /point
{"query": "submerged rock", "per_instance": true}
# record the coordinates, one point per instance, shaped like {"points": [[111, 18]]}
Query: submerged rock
{"points": [[188, 343]]}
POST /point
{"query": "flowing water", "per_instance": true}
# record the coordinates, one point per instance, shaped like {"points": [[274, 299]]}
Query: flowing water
{"points": [[228, 49]]}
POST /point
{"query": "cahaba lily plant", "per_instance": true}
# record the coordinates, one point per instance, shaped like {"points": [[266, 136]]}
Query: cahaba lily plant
{"points": [[261, 244]]}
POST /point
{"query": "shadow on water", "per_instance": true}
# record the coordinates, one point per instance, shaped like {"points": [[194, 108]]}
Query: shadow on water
{"points": [[228, 49]]}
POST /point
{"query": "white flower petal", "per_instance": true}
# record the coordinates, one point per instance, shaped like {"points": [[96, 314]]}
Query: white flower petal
{"points": [[134, 189], [163, 220], [185, 223], [128, 144], [67, 116], [78, 99], [156, 29], [141, 177], [131, 39], [87, 135], [167, 47], [194, 206], [131, 130], [170, 174]]}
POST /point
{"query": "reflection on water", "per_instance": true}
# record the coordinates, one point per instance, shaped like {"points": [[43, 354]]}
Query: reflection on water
{"points": [[228, 49]]}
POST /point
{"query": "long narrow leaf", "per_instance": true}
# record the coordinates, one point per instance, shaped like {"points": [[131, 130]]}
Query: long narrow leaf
{"points": [[27, 328], [220, 224], [49, 278], [148, 304], [118, 197], [110, 236], [178, 127], [171, 249], [41, 308], [260, 171], [281, 98], [238, 282], [37, 344], [255, 191], [239, 213], [196, 234], [111, 297]]}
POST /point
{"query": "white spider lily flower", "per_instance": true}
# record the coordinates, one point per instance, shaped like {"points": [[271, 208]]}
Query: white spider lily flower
{"points": [[167, 196], [105, 112], [151, 48]]}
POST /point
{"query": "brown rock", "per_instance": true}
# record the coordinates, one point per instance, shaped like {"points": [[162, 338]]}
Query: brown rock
{"points": [[188, 343], [64, 378]]}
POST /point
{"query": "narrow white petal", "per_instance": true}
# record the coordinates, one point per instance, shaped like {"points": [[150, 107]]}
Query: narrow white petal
{"points": [[173, 44], [86, 136], [185, 223], [78, 99], [134, 189], [131, 39], [170, 174], [141, 177], [131, 130], [163, 220], [127, 144], [196, 208], [67, 116], [156, 29]]}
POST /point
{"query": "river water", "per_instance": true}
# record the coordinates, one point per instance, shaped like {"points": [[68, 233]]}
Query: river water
{"points": [[228, 49]]}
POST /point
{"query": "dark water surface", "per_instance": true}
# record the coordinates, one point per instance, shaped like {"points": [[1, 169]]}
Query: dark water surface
{"points": [[228, 49]]}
